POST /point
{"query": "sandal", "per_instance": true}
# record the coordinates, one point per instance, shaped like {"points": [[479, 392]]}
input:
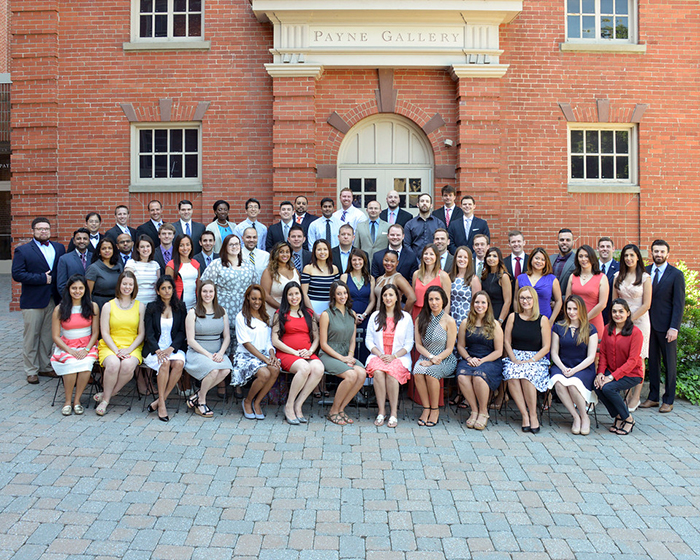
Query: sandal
{"points": [[379, 420], [480, 425], [621, 431], [191, 402], [347, 419], [101, 409], [317, 394], [430, 423], [472, 420], [393, 422], [423, 422], [336, 419], [97, 397], [613, 429], [203, 410]]}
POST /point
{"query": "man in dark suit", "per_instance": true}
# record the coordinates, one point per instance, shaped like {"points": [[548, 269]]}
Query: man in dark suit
{"points": [[152, 226], [449, 211], [441, 240], [164, 249], [462, 231], [76, 261], [34, 266], [187, 226], [516, 262], [121, 215], [393, 214], [300, 256], [93, 222], [563, 263], [280, 231], [408, 262], [666, 313], [302, 217], [207, 255], [609, 267]]}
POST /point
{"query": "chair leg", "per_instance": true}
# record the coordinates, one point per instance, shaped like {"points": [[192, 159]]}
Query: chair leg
{"points": [[59, 382]]}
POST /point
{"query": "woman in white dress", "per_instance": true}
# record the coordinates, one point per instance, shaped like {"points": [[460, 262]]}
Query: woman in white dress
{"points": [[633, 284], [145, 269], [185, 270]]}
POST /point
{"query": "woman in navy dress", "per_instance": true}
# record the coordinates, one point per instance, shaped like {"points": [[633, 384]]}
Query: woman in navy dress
{"points": [[361, 288]]}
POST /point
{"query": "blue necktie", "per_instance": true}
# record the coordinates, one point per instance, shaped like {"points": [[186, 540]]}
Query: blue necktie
{"points": [[187, 229]]}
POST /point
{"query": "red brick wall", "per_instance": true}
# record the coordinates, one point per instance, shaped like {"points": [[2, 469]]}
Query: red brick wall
{"points": [[4, 36]]}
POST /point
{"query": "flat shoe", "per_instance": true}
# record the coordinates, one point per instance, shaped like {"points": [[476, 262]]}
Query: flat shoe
{"points": [[78, 409], [575, 431], [33, 379], [248, 415], [393, 422], [379, 420], [336, 419], [67, 410]]}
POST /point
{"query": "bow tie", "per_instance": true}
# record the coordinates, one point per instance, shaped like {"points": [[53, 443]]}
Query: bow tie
{"points": [[45, 243], [96, 236]]}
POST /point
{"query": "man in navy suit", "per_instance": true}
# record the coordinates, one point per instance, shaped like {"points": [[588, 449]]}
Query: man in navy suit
{"points": [[76, 261], [187, 226], [152, 226], [516, 262], [280, 231], [302, 217], [462, 231], [666, 313], [207, 255], [408, 262], [608, 266], [300, 256], [449, 211], [393, 214], [121, 215], [34, 266]]}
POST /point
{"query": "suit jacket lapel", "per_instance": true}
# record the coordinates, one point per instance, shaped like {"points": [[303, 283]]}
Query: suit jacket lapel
{"points": [[40, 255]]}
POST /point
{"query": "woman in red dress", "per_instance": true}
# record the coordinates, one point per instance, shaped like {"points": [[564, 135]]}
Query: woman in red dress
{"points": [[591, 284]]}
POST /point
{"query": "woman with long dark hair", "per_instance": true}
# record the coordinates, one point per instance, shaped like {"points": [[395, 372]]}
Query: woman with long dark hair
{"points": [[620, 365], [318, 275], [279, 272], [75, 325], [103, 273], [361, 292], [295, 336], [539, 275], [496, 282], [166, 342], [145, 269], [590, 283], [185, 270], [391, 275]]}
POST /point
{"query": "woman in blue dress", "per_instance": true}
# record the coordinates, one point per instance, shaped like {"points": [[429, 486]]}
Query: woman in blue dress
{"points": [[361, 288], [540, 276]]}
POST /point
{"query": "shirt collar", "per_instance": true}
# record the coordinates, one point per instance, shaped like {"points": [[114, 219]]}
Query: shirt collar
{"points": [[661, 268]]}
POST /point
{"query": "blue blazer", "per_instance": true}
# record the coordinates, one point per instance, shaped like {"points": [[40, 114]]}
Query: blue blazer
{"points": [[29, 268], [408, 264], [68, 265], [667, 300], [613, 267], [458, 236]]}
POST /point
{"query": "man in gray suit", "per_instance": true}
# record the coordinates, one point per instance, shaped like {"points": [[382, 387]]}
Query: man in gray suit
{"points": [[372, 235], [441, 240], [563, 263]]}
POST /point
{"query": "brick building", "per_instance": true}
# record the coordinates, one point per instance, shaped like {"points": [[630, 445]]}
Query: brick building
{"points": [[552, 113]]}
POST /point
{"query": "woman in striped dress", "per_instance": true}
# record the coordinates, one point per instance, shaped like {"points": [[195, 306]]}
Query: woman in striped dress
{"points": [[317, 276]]}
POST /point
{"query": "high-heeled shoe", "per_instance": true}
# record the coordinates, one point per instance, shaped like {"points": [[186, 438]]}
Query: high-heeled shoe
{"points": [[164, 418], [430, 423], [151, 408]]}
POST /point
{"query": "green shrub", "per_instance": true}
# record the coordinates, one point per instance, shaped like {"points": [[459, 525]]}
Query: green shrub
{"points": [[688, 380]]}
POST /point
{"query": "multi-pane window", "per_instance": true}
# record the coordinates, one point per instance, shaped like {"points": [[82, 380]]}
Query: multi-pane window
{"points": [[599, 20], [170, 19], [605, 156], [167, 155]]}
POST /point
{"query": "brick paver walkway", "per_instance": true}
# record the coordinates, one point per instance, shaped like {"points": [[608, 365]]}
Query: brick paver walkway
{"points": [[129, 487]]}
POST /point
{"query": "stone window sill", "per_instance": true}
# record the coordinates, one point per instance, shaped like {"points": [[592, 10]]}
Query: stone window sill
{"points": [[612, 48], [166, 188], [167, 46], [593, 188]]}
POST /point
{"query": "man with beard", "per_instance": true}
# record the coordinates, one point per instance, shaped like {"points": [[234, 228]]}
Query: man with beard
{"points": [[421, 229]]}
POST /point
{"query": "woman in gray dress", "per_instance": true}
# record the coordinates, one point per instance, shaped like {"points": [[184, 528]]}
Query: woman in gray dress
{"points": [[103, 273], [436, 333], [337, 330], [208, 338]]}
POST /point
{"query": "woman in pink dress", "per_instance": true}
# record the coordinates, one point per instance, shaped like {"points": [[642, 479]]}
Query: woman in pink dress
{"points": [[592, 285]]}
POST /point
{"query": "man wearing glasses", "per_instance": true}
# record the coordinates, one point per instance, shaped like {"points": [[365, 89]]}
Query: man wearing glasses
{"points": [[34, 266]]}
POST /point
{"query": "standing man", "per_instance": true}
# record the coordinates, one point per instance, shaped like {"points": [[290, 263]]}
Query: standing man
{"points": [[124, 244], [207, 255], [563, 262], [420, 230], [300, 256], [481, 246], [348, 213], [408, 262], [280, 231], [516, 262], [121, 216], [258, 258], [164, 249], [152, 226], [76, 261], [450, 211], [441, 240], [609, 267], [34, 266], [252, 210], [327, 226], [93, 221], [186, 226], [393, 214], [371, 236], [463, 231], [666, 313], [341, 253], [302, 217]]}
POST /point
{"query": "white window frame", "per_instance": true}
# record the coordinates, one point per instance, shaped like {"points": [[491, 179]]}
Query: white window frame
{"points": [[630, 185], [184, 184], [170, 42], [598, 44]]}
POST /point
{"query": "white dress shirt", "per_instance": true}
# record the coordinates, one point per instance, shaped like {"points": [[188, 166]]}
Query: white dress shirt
{"points": [[353, 216]]}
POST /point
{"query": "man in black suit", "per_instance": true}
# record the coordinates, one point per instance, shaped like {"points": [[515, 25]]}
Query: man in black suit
{"points": [[516, 262], [164, 249], [93, 221], [449, 211], [207, 255], [34, 266], [341, 253], [152, 226], [393, 214], [608, 266], [125, 246], [300, 256], [302, 217], [408, 262], [187, 226], [280, 231], [76, 261], [441, 240], [121, 215], [666, 313], [462, 231]]}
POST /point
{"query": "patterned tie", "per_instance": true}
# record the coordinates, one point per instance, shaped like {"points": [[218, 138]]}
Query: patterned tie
{"points": [[447, 216], [479, 269], [159, 225], [342, 218], [373, 231], [187, 229], [167, 255], [252, 258], [518, 269], [297, 261], [208, 260], [328, 230], [83, 259], [299, 220]]}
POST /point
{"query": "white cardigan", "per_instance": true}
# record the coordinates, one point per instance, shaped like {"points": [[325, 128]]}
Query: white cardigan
{"points": [[403, 338], [214, 228]]}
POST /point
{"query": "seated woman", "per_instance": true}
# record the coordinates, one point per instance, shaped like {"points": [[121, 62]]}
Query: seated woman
{"points": [[208, 337], [122, 328], [337, 331], [391, 276], [436, 333], [620, 366], [185, 270], [574, 344], [103, 273], [526, 368], [295, 336], [146, 270], [480, 370], [166, 342], [389, 338], [255, 355], [75, 325]]}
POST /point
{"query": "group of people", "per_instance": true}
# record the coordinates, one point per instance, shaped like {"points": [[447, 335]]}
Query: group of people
{"points": [[385, 295]]}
